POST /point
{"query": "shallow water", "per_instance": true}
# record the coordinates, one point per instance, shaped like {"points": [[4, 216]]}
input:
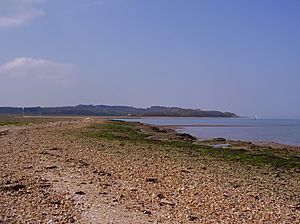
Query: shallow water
{"points": [[285, 131]]}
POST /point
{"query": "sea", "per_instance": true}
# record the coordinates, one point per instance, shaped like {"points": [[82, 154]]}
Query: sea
{"points": [[278, 130]]}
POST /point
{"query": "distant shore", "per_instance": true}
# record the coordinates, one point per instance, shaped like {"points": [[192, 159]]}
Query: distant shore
{"points": [[118, 117]]}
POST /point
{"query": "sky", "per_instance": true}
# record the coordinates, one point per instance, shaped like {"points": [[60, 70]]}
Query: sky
{"points": [[234, 55]]}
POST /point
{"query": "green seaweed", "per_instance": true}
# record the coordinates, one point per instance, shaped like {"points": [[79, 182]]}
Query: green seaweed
{"points": [[6, 123], [136, 133]]}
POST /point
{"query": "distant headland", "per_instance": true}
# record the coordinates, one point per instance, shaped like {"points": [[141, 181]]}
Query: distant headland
{"points": [[106, 110]]}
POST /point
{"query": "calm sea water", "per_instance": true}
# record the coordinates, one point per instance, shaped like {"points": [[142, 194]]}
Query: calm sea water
{"points": [[285, 131]]}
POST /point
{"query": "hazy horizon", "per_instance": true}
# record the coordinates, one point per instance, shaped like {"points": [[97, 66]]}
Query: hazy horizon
{"points": [[236, 56]]}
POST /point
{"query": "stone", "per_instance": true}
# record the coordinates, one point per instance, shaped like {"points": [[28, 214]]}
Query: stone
{"points": [[15, 187], [192, 218], [147, 212], [5, 132], [151, 180], [219, 139], [185, 136], [166, 202], [50, 167]]}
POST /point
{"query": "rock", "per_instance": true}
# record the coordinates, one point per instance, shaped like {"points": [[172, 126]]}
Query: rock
{"points": [[146, 212], [72, 219], [83, 163], [50, 167], [15, 187], [166, 202], [160, 196], [5, 132], [219, 139], [133, 189], [296, 207], [151, 180], [192, 218], [297, 170], [55, 202], [185, 136], [226, 195], [102, 173], [157, 129], [236, 186], [117, 199], [46, 185]]}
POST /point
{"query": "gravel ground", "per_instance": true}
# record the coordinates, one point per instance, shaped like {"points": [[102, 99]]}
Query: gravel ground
{"points": [[49, 175]]}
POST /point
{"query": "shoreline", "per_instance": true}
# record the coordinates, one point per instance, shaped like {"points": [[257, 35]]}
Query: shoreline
{"points": [[276, 145], [263, 143], [273, 144], [95, 171]]}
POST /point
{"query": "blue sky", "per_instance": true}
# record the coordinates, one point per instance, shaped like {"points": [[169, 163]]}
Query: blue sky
{"points": [[239, 56]]}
